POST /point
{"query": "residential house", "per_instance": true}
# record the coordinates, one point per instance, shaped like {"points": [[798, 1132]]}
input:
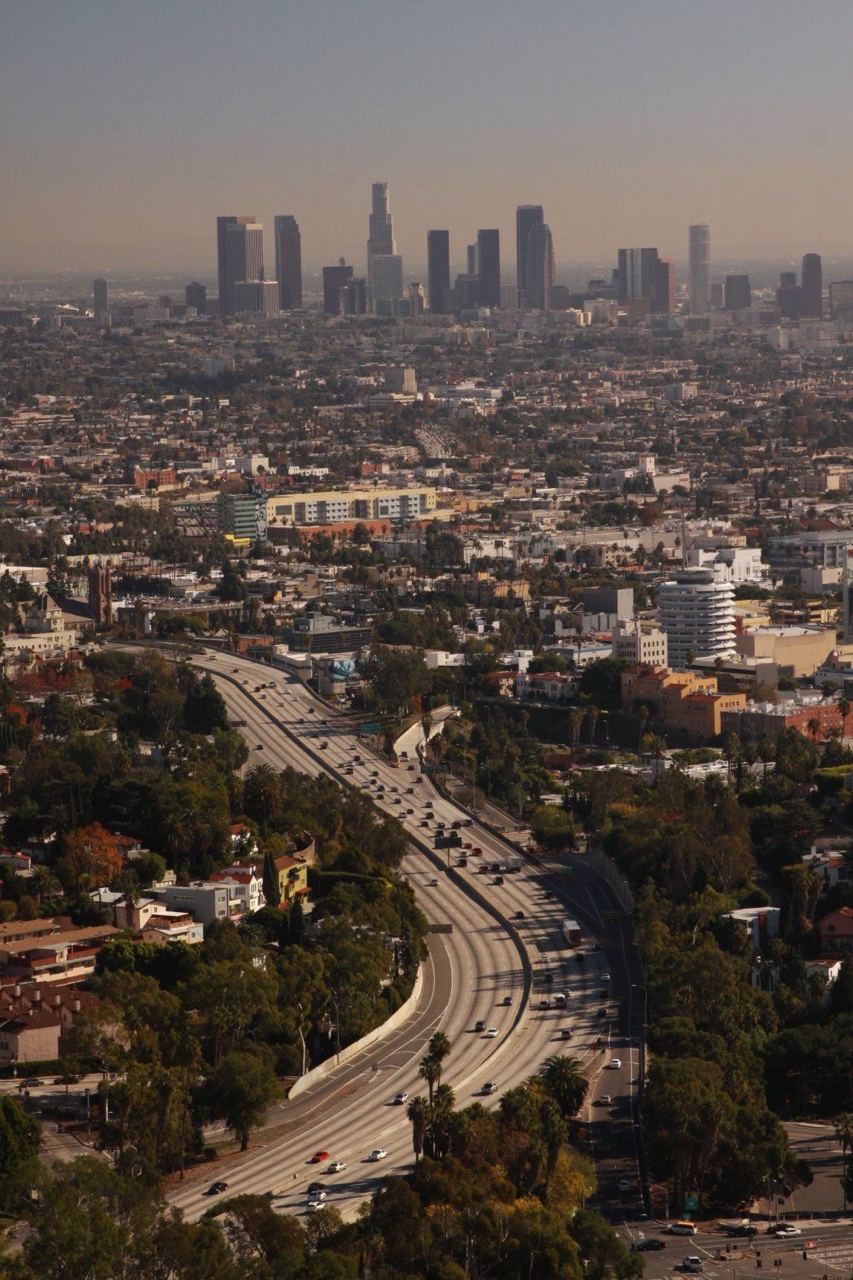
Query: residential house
{"points": [[836, 932], [34, 1017]]}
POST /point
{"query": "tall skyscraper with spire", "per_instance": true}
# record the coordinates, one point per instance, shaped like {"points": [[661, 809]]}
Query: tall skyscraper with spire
{"points": [[288, 261], [527, 216], [539, 267], [699, 279], [380, 239]]}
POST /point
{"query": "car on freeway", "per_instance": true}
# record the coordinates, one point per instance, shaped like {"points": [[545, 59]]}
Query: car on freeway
{"points": [[433, 883], [319, 1157], [378, 1153], [624, 1184], [544, 1004], [216, 1188], [489, 1087], [259, 746], [315, 1187], [566, 1033], [547, 977], [602, 1013], [462, 862], [312, 1206], [491, 1034], [480, 1025], [337, 1166], [400, 1098], [507, 1000], [319, 1194], [615, 1064], [498, 880], [424, 822], [605, 977], [519, 915], [783, 1229]]}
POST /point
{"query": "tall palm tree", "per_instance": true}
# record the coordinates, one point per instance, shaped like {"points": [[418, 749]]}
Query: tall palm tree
{"points": [[592, 714], [430, 1072], [642, 717], [418, 1114], [844, 1134], [566, 1083], [576, 719]]}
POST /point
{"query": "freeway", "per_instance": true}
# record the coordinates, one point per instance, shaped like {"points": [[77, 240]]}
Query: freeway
{"points": [[502, 963]]}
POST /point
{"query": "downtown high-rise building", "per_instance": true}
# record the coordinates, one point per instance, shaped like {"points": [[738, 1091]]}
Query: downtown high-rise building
{"points": [[380, 240], [538, 268], [643, 275], [811, 286], [240, 255], [527, 216], [699, 269], [386, 284], [737, 292], [438, 271], [100, 297], [335, 281], [489, 267], [195, 296], [288, 261]]}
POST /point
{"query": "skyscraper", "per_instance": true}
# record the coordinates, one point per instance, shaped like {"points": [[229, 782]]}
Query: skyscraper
{"points": [[438, 271], [789, 296], [489, 263], [386, 283], [642, 274], [812, 286], [664, 302], [380, 226], [527, 216], [288, 261], [699, 280], [256, 297], [195, 295], [737, 293], [472, 258], [334, 280], [226, 280], [538, 268], [100, 297]]}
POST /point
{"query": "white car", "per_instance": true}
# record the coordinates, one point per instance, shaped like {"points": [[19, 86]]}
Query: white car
{"points": [[312, 1206], [605, 977], [337, 1166], [491, 1034], [785, 1229], [614, 1064], [400, 1098], [319, 1196], [378, 1153]]}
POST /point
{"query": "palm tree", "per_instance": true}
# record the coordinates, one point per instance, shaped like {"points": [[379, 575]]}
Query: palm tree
{"points": [[418, 1114], [844, 1134], [441, 1122], [592, 714], [566, 1083], [813, 726], [576, 719], [642, 717], [430, 1072], [439, 1048]]}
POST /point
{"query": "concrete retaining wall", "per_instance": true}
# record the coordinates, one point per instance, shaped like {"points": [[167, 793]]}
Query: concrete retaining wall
{"points": [[397, 1018]]}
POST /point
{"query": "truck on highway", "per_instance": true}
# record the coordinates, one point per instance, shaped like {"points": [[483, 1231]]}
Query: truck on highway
{"points": [[504, 864], [572, 933]]}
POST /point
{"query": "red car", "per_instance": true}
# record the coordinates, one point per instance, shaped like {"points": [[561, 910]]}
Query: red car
{"points": [[319, 1157]]}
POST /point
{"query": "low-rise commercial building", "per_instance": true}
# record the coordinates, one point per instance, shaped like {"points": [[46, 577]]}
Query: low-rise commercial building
{"points": [[336, 506]]}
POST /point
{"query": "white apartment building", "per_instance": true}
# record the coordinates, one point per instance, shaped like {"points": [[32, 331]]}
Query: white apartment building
{"points": [[336, 506], [634, 641], [697, 614], [737, 565]]}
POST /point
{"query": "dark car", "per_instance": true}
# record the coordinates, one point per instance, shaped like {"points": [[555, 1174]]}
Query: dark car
{"points": [[216, 1188], [602, 1013], [649, 1246]]}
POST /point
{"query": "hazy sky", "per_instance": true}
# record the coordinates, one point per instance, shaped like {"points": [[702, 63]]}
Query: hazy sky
{"points": [[127, 125]]}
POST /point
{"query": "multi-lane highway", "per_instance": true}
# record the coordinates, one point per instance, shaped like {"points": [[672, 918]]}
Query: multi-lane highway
{"points": [[502, 961]]}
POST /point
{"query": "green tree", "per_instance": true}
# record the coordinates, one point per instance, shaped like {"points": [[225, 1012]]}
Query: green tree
{"points": [[239, 1091], [20, 1135], [566, 1083], [272, 890]]}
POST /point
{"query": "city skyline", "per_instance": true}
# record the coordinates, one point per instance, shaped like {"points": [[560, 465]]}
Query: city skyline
{"points": [[615, 154]]}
